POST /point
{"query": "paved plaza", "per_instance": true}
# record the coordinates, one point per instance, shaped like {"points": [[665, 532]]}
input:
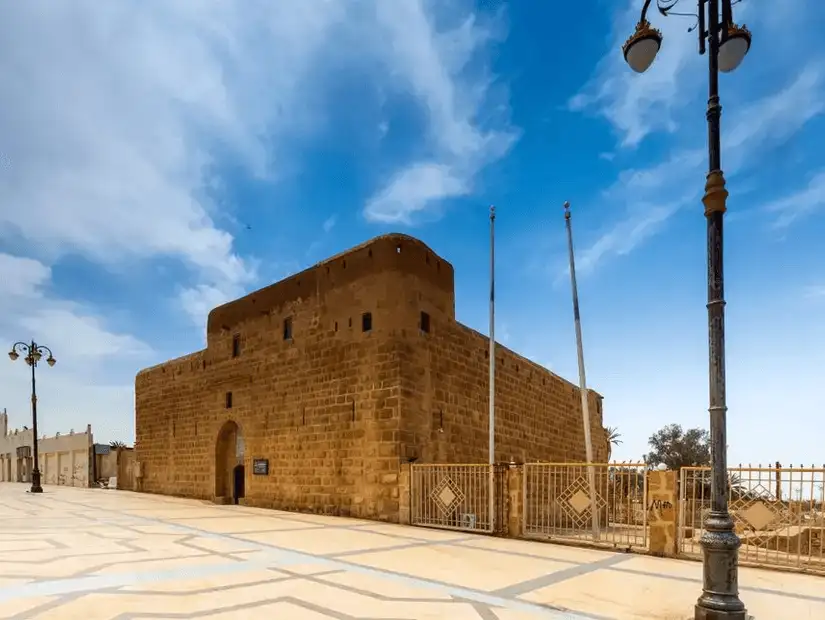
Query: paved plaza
{"points": [[96, 554]]}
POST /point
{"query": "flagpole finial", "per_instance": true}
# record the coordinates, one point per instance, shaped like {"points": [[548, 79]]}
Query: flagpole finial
{"points": [[567, 209], [492, 212]]}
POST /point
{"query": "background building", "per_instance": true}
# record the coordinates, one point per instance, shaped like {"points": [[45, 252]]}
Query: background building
{"points": [[64, 459], [312, 391]]}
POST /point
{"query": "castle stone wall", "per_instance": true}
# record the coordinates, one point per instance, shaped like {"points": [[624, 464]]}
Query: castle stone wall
{"points": [[336, 409]]}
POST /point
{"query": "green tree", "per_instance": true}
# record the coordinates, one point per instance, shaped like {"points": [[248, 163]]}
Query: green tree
{"points": [[677, 448]]}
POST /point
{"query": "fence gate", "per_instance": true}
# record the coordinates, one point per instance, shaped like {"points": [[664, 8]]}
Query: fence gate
{"points": [[459, 497], [778, 513], [558, 506]]}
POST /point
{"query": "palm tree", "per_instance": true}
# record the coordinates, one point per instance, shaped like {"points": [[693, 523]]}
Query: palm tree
{"points": [[613, 439], [118, 447]]}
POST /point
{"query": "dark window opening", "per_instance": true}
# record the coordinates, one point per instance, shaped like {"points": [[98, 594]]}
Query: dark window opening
{"points": [[366, 322], [425, 322], [486, 355], [438, 265], [369, 253], [336, 325], [288, 328], [350, 321], [229, 400], [327, 268], [344, 264], [236, 345]]}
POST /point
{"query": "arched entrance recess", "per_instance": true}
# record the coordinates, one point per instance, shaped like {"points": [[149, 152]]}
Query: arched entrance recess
{"points": [[229, 463]]}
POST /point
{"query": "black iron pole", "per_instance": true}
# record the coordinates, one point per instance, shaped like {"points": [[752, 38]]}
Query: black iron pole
{"points": [[720, 544], [36, 487]]}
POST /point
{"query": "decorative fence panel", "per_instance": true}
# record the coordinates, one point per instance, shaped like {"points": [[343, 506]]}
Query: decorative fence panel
{"points": [[558, 506], [779, 514], [459, 497]]}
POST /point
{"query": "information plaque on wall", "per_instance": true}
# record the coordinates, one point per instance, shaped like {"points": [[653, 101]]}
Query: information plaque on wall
{"points": [[260, 467]]}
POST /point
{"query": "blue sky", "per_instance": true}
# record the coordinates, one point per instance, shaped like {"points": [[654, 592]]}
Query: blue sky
{"points": [[158, 158]]}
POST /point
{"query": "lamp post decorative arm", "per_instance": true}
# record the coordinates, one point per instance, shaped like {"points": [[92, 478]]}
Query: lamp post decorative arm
{"points": [[734, 41], [727, 44], [33, 354]]}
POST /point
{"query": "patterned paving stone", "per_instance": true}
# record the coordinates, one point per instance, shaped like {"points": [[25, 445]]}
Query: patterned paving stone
{"points": [[92, 554]]}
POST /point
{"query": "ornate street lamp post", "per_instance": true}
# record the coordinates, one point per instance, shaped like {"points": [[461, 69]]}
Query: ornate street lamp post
{"points": [[728, 44], [33, 354]]}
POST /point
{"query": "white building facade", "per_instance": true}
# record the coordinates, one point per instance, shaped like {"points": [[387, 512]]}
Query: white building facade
{"points": [[64, 459]]}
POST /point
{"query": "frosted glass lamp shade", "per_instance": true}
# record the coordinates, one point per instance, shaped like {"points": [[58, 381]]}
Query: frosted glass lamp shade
{"points": [[733, 48], [641, 48]]}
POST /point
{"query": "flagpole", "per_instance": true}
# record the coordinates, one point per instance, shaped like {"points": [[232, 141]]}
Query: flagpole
{"points": [[588, 444], [492, 356]]}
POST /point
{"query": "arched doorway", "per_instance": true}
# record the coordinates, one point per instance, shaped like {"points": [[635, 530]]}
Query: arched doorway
{"points": [[229, 467]]}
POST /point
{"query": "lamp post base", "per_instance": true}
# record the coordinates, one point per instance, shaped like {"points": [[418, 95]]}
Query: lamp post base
{"points": [[720, 591], [36, 488], [702, 613]]}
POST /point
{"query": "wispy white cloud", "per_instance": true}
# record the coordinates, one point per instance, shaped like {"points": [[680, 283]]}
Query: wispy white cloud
{"points": [[329, 223], [415, 189], [77, 390], [638, 105], [30, 308], [128, 143], [433, 66], [647, 194], [771, 120], [625, 236], [799, 205]]}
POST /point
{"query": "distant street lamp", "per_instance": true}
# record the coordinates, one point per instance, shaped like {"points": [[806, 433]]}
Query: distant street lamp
{"points": [[33, 354], [728, 43]]}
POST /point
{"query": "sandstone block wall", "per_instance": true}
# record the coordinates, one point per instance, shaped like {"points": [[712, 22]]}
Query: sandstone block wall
{"points": [[323, 406], [445, 390], [334, 407]]}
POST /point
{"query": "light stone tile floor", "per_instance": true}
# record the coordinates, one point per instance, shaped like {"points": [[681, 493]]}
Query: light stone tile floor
{"points": [[93, 554]]}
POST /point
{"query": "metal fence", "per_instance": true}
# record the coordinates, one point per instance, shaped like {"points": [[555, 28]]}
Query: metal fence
{"points": [[558, 506], [779, 514], [459, 497]]}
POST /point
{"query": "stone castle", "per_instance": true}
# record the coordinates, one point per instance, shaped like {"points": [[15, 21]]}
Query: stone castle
{"points": [[311, 392]]}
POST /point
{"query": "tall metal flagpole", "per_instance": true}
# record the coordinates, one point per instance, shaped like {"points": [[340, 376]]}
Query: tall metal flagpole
{"points": [[588, 444], [492, 356]]}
